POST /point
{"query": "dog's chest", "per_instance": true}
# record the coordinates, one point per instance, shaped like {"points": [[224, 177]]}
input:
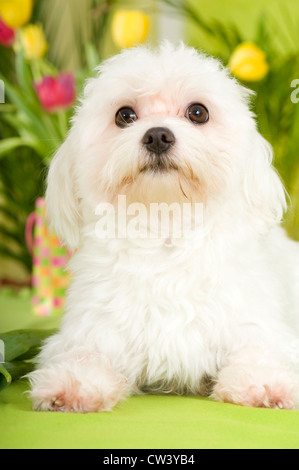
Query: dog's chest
{"points": [[169, 324]]}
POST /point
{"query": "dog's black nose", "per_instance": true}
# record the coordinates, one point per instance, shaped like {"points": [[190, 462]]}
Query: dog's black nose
{"points": [[158, 139]]}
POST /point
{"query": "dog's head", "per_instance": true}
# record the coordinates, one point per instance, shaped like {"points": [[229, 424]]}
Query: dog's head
{"points": [[168, 125]]}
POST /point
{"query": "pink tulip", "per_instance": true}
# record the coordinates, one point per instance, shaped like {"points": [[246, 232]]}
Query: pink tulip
{"points": [[56, 93], [7, 34]]}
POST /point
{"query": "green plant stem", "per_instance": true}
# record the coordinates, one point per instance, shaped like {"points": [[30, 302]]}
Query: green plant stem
{"points": [[63, 125], [11, 371]]}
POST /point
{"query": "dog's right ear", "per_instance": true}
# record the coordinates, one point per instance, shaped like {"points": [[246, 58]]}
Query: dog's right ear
{"points": [[61, 195]]}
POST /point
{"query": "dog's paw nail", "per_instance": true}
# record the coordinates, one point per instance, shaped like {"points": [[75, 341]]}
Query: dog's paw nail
{"points": [[56, 403]]}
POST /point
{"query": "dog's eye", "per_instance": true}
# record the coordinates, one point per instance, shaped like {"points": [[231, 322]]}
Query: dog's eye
{"points": [[125, 116], [197, 113]]}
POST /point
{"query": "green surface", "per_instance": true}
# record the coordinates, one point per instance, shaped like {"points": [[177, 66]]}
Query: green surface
{"points": [[149, 422]]}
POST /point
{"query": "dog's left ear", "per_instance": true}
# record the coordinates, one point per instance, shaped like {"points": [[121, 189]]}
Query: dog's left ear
{"points": [[263, 189], [61, 195]]}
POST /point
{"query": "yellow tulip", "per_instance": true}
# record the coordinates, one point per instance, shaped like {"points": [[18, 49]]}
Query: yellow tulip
{"points": [[129, 27], [248, 62], [33, 41], [16, 13]]}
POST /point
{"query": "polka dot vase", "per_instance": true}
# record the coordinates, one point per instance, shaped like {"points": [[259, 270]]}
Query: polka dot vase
{"points": [[50, 277]]}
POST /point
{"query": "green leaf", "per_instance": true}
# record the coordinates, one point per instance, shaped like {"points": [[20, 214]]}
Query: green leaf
{"points": [[32, 112], [7, 145], [24, 75], [9, 233], [5, 377], [6, 252], [7, 108], [17, 343], [92, 56], [44, 146], [11, 371]]}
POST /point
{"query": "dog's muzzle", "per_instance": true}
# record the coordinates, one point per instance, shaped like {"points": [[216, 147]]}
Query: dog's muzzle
{"points": [[157, 141]]}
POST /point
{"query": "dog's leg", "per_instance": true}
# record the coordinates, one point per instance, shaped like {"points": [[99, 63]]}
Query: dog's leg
{"points": [[78, 383], [257, 377], [78, 387]]}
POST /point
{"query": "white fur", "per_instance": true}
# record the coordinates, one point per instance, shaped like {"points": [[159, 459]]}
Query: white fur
{"points": [[150, 315]]}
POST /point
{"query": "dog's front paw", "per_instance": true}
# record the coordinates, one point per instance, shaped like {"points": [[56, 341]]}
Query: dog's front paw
{"points": [[70, 389], [258, 383], [261, 396]]}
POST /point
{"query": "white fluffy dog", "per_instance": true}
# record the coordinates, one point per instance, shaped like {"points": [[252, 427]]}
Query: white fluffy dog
{"points": [[216, 313]]}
